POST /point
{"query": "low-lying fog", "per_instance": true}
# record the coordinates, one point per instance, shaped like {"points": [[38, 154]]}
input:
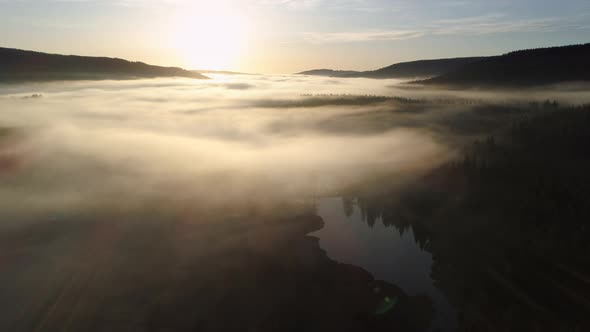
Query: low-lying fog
{"points": [[68, 148]]}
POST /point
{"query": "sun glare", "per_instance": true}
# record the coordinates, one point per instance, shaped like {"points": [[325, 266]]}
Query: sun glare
{"points": [[210, 37]]}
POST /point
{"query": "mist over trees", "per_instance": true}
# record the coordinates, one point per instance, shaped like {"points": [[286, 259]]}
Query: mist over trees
{"points": [[506, 223]]}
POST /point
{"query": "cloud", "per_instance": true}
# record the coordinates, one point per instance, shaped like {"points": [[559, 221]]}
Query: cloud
{"points": [[109, 146], [494, 23], [361, 36], [462, 26], [332, 5], [112, 144], [293, 4]]}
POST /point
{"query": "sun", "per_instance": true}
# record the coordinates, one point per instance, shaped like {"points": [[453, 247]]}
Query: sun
{"points": [[210, 37]]}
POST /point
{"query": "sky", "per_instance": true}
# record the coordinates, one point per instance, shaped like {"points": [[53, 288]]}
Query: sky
{"points": [[287, 36]]}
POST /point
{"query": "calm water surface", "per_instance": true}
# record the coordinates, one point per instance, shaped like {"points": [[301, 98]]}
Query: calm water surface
{"points": [[388, 253]]}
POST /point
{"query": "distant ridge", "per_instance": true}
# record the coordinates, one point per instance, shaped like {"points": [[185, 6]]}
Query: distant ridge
{"points": [[532, 67], [423, 68], [412, 69], [20, 65], [221, 72], [332, 73]]}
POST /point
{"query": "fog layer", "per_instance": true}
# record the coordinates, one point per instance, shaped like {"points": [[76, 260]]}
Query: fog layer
{"points": [[110, 146]]}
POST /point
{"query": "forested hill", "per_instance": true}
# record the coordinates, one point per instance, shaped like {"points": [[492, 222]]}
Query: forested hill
{"points": [[413, 69], [422, 68], [19, 65], [522, 68], [332, 73]]}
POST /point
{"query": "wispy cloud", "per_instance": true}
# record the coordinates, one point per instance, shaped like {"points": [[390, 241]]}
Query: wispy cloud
{"points": [[343, 5], [494, 23], [293, 4], [471, 25], [361, 36]]}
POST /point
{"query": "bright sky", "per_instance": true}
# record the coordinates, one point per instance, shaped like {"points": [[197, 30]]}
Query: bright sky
{"points": [[286, 36]]}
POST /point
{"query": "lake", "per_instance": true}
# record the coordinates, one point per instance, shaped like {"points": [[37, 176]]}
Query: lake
{"points": [[388, 253]]}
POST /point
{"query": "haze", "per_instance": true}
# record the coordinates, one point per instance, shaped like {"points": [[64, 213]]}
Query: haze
{"points": [[218, 141], [294, 165]]}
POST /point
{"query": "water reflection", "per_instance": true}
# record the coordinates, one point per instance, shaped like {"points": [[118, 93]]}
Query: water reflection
{"points": [[503, 236], [356, 233]]}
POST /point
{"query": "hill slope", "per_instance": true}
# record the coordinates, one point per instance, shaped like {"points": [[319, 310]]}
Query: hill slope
{"points": [[19, 65], [413, 69], [523, 68], [423, 68], [332, 73]]}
